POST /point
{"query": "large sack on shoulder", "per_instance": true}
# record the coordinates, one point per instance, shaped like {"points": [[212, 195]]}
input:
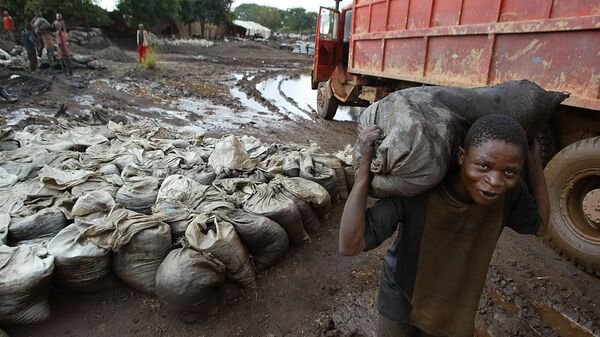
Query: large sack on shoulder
{"points": [[187, 282], [266, 241], [424, 126], [79, 267], [25, 277], [270, 202], [209, 234], [139, 243], [139, 194], [44, 224]]}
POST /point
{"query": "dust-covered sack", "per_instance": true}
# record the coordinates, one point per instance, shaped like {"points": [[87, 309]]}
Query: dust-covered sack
{"points": [[423, 127], [309, 191], [325, 176], [25, 277], [79, 267], [269, 201], [44, 224], [209, 234], [187, 282], [230, 154], [139, 243], [138, 193], [266, 241]]}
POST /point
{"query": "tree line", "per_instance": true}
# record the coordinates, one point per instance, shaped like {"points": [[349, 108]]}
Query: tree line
{"points": [[154, 12]]}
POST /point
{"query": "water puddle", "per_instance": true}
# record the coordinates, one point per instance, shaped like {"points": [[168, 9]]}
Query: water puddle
{"points": [[299, 90], [269, 89], [561, 323], [15, 116]]}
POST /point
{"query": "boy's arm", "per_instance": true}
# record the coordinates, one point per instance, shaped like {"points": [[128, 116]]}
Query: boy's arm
{"points": [[353, 222], [537, 185]]}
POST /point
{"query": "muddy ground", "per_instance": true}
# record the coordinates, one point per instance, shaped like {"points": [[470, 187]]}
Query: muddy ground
{"points": [[248, 88]]}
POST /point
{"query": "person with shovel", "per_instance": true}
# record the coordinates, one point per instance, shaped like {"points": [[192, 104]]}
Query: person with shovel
{"points": [[435, 269]]}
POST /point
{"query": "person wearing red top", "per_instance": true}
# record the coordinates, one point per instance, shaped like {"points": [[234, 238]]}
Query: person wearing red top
{"points": [[9, 26]]}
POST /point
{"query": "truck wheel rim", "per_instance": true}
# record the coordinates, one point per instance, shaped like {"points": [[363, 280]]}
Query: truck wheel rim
{"points": [[575, 200], [591, 207]]}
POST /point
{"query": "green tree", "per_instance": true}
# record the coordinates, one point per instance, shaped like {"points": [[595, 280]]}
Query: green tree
{"points": [[149, 12], [205, 11], [299, 20], [75, 12], [270, 17]]}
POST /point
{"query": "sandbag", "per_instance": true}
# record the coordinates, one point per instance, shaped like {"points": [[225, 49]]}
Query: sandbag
{"points": [[423, 127], [177, 197], [309, 191], [266, 241], [209, 234], [230, 154], [79, 267], [270, 202], [61, 180], [321, 174], [25, 277], [139, 243], [45, 224], [202, 174], [138, 194], [110, 183], [4, 222], [187, 281]]}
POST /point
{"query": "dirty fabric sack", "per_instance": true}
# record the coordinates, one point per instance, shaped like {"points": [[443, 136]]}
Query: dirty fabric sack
{"points": [[325, 176], [139, 243], [177, 197], [423, 127], [79, 267], [187, 282], [270, 202], [25, 276], [138, 194], [4, 222], [209, 234], [266, 241], [313, 193], [230, 154], [61, 180], [44, 224]]}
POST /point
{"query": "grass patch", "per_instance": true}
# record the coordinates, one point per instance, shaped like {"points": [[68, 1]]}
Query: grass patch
{"points": [[150, 62]]}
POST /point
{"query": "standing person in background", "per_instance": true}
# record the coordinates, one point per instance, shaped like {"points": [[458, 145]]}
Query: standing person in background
{"points": [[30, 42], [62, 45], [39, 25], [48, 41], [142, 42], [9, 26]]}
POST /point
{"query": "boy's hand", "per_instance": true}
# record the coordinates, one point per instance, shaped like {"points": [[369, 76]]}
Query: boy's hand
{"points": [[366, 140]]}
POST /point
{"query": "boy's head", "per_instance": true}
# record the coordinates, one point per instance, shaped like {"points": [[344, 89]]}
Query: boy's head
{"points": [[492, 158], [5, 13]]}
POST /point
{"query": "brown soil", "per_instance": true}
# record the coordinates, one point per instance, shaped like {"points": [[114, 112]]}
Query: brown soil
{"points": [[313, 291]]}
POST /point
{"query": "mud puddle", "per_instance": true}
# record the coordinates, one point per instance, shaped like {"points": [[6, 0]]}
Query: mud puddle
{"points": [[295, 94]]}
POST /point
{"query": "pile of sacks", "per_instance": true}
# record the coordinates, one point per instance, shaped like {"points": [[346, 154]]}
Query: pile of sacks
{"points": [[170, 214], [17, 59]]}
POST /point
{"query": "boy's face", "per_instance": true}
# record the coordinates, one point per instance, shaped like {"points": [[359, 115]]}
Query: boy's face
{"points": [[489, 170]]}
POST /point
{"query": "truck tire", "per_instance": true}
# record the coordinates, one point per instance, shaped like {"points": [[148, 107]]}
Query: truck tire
{"points": [[546, 137], [326, 106], [573, 177]]}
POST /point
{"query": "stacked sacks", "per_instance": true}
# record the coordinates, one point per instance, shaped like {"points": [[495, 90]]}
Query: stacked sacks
{"points": [[177, 198], [25, 277], [187, 281], [139, 243], [266, 241], [207, 233], [83, 267]]}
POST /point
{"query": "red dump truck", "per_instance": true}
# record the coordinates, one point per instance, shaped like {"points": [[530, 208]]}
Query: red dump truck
{"points": [[374, 47]]}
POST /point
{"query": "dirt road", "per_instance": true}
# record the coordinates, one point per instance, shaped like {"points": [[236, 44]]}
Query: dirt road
{"points": [[248, 88]]}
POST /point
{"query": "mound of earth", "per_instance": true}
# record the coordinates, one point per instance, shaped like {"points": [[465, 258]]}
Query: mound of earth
{"points": [[113, 53], [24, 85]]}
